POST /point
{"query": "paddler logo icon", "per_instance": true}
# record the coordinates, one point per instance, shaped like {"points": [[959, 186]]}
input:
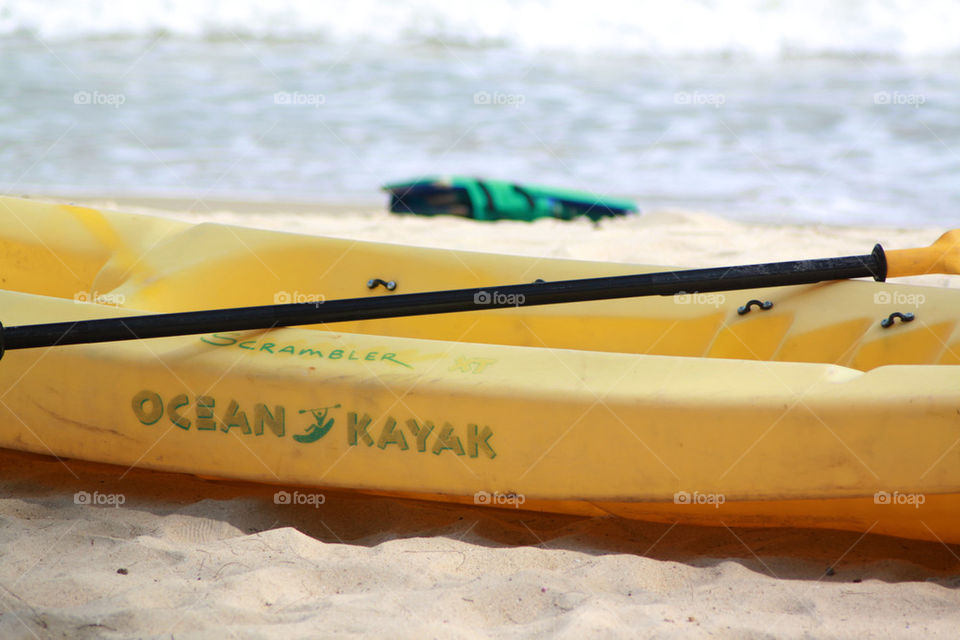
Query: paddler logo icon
{"points": [[318, 428]]}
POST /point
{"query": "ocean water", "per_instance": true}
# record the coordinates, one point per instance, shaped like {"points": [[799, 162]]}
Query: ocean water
{"points": [[780, 111]]}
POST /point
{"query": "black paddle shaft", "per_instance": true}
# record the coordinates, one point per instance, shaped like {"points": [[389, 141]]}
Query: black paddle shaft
{"points": [[665, 283]]}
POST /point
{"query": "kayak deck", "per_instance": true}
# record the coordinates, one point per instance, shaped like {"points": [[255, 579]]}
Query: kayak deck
{"points": [[160, 265], [806, 414]]}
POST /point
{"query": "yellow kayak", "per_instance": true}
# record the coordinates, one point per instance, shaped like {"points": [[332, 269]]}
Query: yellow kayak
{"points": [[806, 412]]}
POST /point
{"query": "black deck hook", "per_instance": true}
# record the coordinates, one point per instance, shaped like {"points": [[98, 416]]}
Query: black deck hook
{"points": [[745, 309], [373, 283], [887, 322]]}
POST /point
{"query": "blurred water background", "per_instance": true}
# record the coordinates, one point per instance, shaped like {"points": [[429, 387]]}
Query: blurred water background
{"points": [[843, 112]]}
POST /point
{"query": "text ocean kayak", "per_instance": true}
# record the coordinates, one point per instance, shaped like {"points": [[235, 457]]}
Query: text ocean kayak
{"points": [[806, 414]]}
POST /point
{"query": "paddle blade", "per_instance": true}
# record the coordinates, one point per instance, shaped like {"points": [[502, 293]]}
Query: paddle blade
{"points": [[943, 256]]}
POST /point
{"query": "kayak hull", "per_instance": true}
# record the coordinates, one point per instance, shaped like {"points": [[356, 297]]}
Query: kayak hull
{"points": [[718, 422], [653, 437]]}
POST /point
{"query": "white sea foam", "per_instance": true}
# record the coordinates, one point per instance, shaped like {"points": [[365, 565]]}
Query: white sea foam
{"points": [[753, 28]]}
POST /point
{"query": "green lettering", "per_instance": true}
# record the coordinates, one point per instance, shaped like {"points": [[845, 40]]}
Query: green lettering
{"points": [[262, 416], [205, 419], [446, 439], [252, 342], [392, 357], [392, 435], [147, 406], [336, 354], [357, 428], [235, 418], [221, 341], [173, 408], [287, 349], [475, 442], [311, 352], [350, 357], [420, 432], [267, 346], [371, 356]]}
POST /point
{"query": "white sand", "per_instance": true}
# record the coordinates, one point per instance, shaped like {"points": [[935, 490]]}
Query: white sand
{"points": [[185, 557]]}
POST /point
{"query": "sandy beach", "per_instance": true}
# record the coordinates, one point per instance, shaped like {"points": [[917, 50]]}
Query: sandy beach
{"points": [[188, 557], [746, 132]]}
